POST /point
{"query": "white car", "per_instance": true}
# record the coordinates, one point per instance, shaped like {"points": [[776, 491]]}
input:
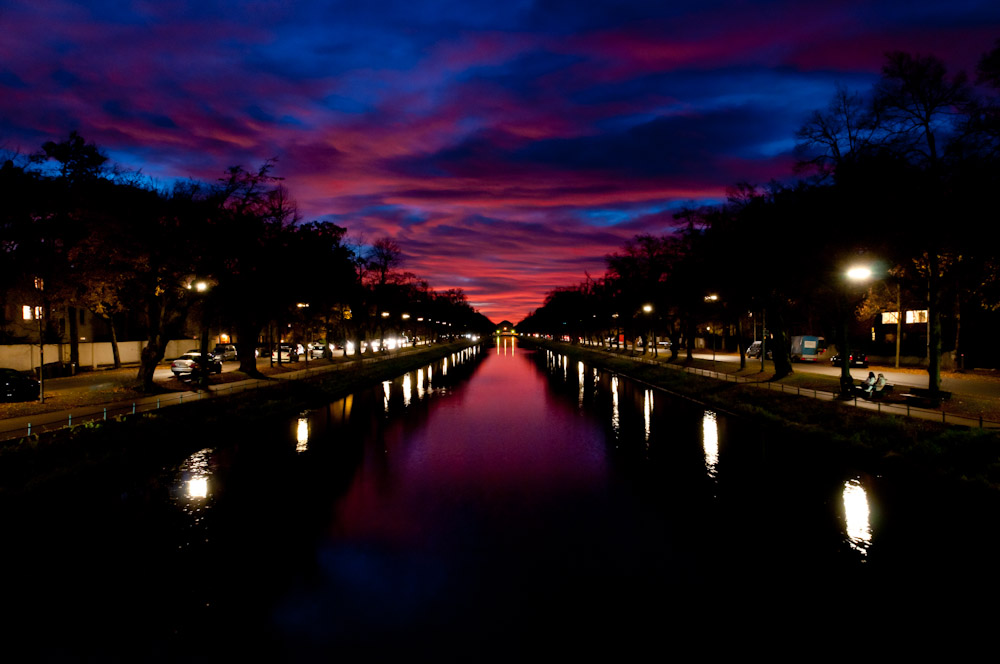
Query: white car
{"points": [[188, 365], [288, 352], [317, 350]]}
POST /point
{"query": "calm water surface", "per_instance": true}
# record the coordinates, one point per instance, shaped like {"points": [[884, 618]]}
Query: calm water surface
{"points": [[498, 502]]}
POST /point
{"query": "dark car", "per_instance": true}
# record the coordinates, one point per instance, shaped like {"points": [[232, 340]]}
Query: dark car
{"points": [[188, 365], [16, 386], [855, 359]]}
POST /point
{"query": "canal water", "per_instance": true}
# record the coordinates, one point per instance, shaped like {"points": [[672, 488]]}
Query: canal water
{"points": [[498, 502]]}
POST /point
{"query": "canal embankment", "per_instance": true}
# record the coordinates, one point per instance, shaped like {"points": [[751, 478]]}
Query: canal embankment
{"points": [[134, 439], [877, 442]]}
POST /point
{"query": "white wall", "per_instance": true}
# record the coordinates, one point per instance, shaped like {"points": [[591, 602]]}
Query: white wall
{"points": [[24, 357]]}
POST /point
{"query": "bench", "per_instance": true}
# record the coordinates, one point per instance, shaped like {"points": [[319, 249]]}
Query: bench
{"points": [[922, 398], [880, 394]]}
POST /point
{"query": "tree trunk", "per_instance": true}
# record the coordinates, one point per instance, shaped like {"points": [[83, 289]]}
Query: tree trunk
{"points": [[245, 349], [933, 326], [114, 342], [155, 347], [689, 339], [740, 343], [779, 347], [74, 336]]}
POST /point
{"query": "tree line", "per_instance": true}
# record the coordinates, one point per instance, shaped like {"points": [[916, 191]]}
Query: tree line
{"points": [[79, 233], [901, 177]]}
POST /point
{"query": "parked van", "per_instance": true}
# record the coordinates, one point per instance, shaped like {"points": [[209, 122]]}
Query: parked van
{"points": [[808, 349]]}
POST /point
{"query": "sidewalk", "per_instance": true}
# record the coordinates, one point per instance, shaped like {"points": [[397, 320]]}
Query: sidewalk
{"points": [[175, 392]]}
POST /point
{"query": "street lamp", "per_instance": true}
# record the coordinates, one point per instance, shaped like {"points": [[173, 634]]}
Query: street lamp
{"points": [[712, 297], [856, 274], [202, 287], [648, 309]]}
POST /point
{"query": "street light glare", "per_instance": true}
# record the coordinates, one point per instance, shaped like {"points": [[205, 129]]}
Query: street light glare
{"points": [[201, 286], [859, 273], [647, 308]]}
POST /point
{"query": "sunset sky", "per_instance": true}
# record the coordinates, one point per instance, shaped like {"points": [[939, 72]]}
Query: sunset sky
{"points": [[507, 146]]}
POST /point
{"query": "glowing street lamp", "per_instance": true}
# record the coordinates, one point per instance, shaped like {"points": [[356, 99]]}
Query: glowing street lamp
{"points": [[857, 274], [712, 297]]}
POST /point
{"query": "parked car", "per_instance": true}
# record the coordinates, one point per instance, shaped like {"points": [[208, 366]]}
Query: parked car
{"points": [[753, 350], [316, 350], [188, 365], [855, 359], [225, 352], [16, 386], [288, 352], [197, 351]]}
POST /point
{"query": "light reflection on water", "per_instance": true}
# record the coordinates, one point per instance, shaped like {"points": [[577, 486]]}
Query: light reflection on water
{"points": [[615, 415], [195, 472], [857, 514], [647, 411], [302, 435], [710, 442]]}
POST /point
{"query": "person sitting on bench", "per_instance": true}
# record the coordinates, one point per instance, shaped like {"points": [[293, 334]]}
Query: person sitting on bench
{"points": [[868, 384], [881, 388]]}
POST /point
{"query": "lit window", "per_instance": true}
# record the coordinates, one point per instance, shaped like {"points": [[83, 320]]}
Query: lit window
{"points": [[890, 317], [26, 312], [916, 316]]}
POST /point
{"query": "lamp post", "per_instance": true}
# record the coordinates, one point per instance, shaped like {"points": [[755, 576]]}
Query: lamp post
{"points": [[201, 287], [712, 298], [39, 311], [302, 306], [648, 309], [857, 274]]}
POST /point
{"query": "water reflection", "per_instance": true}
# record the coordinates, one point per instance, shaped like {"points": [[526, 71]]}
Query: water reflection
{"points": [[302, 435], [710, 442], [615, 415], [579, 370], [407, 390], [647, 412], [420, 383], [194, 487], [859, 534], [386, 384]]}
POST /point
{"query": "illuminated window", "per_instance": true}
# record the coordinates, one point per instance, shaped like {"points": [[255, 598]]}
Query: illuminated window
{"points": [[916, 316], [26, 313], [890, 317]]}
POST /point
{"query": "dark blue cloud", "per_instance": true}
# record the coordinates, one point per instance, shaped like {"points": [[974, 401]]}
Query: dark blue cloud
{"points": [[9, 79], [118, 110]]}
